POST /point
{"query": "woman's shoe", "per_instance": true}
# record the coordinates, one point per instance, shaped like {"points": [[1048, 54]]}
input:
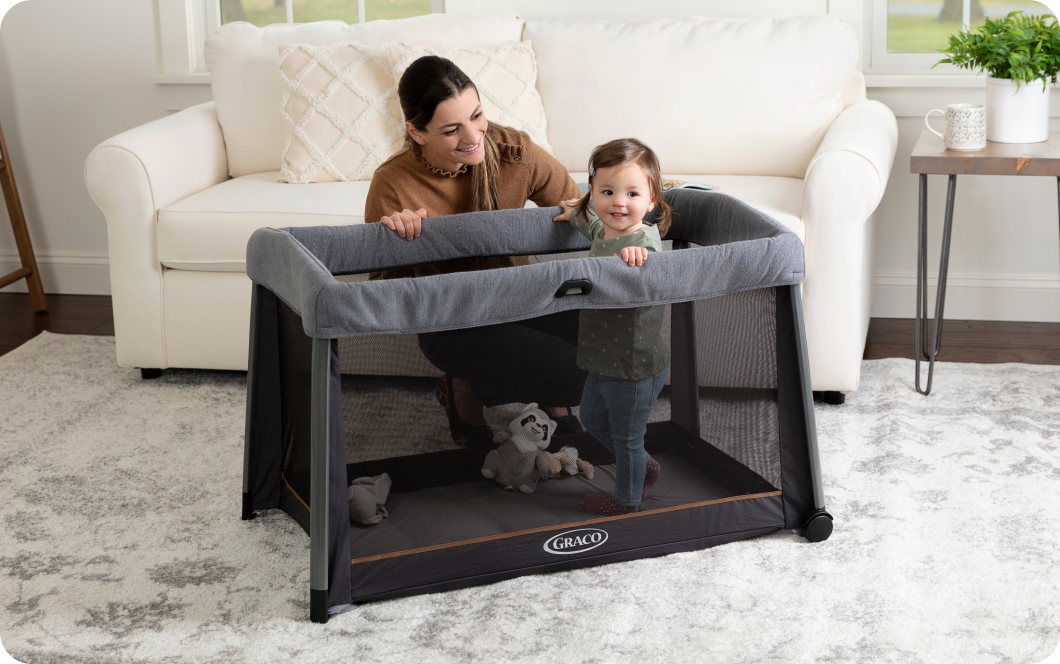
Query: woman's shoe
{"points": [[464, 434]]}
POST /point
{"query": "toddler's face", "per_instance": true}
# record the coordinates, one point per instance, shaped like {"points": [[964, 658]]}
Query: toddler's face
{"points": [[622, 197]]}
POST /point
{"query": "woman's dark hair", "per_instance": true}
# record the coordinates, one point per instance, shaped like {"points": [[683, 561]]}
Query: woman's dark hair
{"points": [[625, 151], [429, 81]]}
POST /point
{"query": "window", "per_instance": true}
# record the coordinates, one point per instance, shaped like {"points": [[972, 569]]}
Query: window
{"points": [[264, 12], [906, 34]]}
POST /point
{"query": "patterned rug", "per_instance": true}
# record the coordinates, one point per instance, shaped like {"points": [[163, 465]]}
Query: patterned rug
{"points": [[120, 506]]}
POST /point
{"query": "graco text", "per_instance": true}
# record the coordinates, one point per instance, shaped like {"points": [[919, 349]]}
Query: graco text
{"points": [[575, 541]]}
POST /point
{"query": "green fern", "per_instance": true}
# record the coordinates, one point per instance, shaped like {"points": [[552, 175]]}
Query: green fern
{"points": [[1019, 48]]}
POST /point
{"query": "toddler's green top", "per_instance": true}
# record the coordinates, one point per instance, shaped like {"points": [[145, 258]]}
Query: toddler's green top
{"points": [[621, 343]]}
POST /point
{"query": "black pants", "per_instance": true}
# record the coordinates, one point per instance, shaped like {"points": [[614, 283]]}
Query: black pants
{"points": [[529, 361]]}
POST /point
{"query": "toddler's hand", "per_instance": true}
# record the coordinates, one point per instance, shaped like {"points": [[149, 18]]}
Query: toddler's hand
{"points": [[568, 207], [406, 223], [635, 256]]}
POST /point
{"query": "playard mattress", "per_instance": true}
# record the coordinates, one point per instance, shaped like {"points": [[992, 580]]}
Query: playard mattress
{"points": [[732, 430]]}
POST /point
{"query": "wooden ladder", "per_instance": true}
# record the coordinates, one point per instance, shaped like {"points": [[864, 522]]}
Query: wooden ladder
{"points": [[29, 270]]}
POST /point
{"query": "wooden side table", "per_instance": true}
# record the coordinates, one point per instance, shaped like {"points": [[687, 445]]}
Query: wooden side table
{"points": [[931, 157]]}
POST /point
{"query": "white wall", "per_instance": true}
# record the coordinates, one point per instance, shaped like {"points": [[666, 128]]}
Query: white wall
{"points": [[73, 73]]}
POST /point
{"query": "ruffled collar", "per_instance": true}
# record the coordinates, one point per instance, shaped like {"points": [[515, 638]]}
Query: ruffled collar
{"points": [[416, 152]]}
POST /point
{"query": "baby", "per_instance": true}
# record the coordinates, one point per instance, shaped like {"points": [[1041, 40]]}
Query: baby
{"points": [[622, 349]]}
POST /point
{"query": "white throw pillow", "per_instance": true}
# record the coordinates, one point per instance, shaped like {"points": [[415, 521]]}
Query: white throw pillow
{"points": [[506, 79], [247, 89], [341, 110]]}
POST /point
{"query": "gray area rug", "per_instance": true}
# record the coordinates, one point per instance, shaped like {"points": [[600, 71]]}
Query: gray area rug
{"points": [[122, 541]]}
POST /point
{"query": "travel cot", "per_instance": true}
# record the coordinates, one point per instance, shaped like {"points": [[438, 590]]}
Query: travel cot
{"points": [[327, 403]]}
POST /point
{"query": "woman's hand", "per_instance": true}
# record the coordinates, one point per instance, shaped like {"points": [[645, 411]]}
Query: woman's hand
{"points": [[406, 223], [635, 256], [568, 207]]}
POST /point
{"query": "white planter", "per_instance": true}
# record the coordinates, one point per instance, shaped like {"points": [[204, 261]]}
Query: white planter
{"points": [[1016, 116]]}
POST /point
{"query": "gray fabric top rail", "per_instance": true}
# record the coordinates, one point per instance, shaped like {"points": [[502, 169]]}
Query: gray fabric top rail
{"points": [[740, 249]]}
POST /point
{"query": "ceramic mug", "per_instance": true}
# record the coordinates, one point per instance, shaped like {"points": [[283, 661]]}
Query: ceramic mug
{"points": [[965, 126]]}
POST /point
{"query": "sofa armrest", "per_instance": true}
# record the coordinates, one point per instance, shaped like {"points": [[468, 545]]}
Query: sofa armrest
{"points": [[844, 184], [130, 177]]}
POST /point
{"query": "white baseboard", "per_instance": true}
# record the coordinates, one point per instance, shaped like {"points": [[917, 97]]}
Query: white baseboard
{"points": [[972, 297], [63, 272]]}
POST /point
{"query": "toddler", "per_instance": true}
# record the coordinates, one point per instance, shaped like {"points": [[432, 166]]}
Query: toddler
{"points": [[622, 349]]}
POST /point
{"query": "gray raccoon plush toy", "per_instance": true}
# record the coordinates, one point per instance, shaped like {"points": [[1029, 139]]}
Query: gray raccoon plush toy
{"points": [[521, 461]]}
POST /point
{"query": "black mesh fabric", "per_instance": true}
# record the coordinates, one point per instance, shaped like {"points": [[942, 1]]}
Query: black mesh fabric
{"points": [[394, 422]]}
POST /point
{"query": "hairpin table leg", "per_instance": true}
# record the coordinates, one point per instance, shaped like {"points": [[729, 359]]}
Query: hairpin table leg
{"points": [[926, 348]]}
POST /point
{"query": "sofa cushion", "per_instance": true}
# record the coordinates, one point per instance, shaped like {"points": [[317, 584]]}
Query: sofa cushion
{"points": [[209, 230], [742, 97], [341, 112], [243, 59]]}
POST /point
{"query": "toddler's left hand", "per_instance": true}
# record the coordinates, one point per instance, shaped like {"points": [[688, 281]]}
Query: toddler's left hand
{"points": [[635, 256]]}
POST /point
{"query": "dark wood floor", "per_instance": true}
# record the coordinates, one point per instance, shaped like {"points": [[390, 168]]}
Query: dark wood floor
{"points": [[962, 340]]}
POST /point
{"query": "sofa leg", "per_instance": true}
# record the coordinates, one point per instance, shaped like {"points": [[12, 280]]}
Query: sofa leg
{"points": [[148, 374], [834, 398]]}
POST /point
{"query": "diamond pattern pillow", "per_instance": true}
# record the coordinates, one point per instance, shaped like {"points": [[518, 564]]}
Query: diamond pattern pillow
{"points": [[341, 109]]}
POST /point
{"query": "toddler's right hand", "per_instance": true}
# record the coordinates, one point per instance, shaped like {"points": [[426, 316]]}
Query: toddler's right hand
{"points": [[406, 223], [635, 256]]}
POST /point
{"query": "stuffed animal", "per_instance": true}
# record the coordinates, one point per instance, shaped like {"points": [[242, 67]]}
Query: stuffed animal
{"points": [[521, 461], [367, 496], [567, 460]]}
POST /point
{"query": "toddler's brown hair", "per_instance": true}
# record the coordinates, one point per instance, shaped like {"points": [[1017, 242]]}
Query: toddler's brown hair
{"points": [[624, 151]]}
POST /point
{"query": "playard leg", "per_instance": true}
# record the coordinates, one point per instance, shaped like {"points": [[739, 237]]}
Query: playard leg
{"points": [[318, 491], [148, 374], [819, 526]]}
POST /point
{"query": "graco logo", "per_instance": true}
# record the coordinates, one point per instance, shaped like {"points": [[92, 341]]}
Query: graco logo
{"points": [[575, 541]]}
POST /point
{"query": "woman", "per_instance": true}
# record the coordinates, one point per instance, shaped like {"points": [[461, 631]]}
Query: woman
{"points": [[456, 161]]}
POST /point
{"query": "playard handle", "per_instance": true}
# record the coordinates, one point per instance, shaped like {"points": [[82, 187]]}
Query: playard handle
{"points": [[575, 287]]}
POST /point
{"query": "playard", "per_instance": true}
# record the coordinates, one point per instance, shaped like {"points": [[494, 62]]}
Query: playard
{"points": [[345, 435]]}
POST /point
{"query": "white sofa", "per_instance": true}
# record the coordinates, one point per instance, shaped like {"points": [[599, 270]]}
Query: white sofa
{"points": [[773, 111]]}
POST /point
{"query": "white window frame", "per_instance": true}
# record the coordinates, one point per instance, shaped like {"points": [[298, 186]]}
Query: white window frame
{"points": [[880, 61], [184, 25]]}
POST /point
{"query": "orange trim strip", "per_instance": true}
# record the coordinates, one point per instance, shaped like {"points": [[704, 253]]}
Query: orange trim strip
{"points": [[294, 493], [561, 527]]}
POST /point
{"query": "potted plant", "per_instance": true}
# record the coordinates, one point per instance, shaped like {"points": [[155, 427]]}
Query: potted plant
{"points": [[1015, 51]]}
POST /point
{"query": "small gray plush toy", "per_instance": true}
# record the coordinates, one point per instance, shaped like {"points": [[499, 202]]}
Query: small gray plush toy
{"points": [[521, 461], [367, 495]]}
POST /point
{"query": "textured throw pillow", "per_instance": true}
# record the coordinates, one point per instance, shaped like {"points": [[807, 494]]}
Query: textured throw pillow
{"points": [[506, 79], [341, 110]]}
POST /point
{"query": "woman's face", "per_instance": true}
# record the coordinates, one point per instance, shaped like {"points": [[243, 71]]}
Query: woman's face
{"points": [[453, 137]]}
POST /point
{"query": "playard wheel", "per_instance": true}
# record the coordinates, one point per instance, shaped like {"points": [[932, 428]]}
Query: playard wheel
{"points": [[818, 528]]}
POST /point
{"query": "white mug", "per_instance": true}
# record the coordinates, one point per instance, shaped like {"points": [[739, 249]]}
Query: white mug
{"points": [[965, 126]]}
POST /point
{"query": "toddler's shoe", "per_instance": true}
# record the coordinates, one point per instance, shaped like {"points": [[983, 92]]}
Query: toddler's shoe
{"points": [[651, 476], [604, 504]]}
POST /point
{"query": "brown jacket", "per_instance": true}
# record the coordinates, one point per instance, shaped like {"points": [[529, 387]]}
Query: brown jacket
{"points": [[407, 180]]}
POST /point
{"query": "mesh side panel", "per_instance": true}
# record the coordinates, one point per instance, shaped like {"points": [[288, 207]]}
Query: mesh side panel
{"points": [[736, 339], [394, 422], [296, 355]]}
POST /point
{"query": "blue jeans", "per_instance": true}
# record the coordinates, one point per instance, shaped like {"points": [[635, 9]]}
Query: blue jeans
{"points": [[616, 411]]}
